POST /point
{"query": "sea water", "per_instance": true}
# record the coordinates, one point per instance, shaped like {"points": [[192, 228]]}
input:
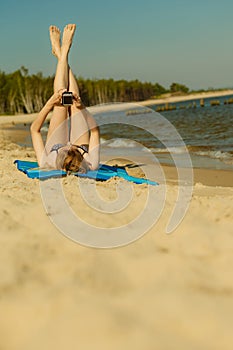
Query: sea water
{"points": [[205, 132]]}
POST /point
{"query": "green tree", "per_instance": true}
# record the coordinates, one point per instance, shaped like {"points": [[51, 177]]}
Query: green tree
{"points": [[175, 87], [21, 92]]}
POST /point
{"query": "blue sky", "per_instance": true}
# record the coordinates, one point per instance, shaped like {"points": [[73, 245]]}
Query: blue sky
{"points": [[164, 41]]}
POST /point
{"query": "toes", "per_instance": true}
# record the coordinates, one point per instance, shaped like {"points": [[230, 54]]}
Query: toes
{"points": [[70, 27], [54, 29]]}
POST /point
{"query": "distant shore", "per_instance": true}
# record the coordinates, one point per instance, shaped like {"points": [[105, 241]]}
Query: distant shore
{"points": [[169, 98]]}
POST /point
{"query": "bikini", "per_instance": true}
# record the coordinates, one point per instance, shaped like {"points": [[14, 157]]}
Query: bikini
{"points": [[83, 147], [57, 146]]}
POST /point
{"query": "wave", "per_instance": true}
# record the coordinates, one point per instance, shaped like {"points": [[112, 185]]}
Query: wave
{"points": [[176, 150], [119, 143], [221, 155], [202, 151], [224, 156]]}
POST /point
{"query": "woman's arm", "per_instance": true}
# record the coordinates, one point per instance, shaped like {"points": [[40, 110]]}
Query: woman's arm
{"points": [[35, 128], [94, 148], [94, 141]]}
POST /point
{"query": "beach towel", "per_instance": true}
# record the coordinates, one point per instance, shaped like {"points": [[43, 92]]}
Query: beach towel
{"points": [[104, 172]]}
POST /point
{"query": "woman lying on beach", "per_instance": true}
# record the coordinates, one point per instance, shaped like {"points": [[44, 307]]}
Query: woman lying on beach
{"points": [[70, 149]]}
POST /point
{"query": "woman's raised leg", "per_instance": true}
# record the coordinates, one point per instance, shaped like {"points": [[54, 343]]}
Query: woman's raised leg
{"points": [[79, 132], [58, 129], [84, 129]]}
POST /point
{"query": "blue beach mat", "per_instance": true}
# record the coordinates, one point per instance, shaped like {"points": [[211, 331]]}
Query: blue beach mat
{"points": [[104, 173]]}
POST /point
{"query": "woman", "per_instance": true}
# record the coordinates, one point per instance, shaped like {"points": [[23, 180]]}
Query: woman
{"points": [[70, 149]]}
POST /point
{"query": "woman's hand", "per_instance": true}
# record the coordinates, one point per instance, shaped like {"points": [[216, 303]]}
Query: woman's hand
{"points": [[77, 101], [56, 98]]}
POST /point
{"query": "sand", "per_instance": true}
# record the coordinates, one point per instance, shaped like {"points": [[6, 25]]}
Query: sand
{"points": [[161, 292]]}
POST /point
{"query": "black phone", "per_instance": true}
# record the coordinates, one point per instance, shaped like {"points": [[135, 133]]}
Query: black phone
{"points": [[67, 98]]}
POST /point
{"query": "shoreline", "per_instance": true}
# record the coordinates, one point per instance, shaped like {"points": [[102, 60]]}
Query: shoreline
{"points": [[204, 176], [184, 98], [201, 175], [6, 120]]}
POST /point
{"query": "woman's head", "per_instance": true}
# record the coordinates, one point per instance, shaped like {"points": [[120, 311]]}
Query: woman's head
{"points": [[70, 160]]}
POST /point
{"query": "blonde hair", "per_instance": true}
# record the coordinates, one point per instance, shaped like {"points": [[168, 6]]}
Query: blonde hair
{"points": [[71, 160]]}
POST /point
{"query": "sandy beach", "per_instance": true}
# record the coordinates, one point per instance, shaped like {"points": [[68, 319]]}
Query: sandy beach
{"points": [[160, 292]]}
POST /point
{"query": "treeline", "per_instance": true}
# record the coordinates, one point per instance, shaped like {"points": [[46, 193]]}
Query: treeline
{"points": [[24, 93]]}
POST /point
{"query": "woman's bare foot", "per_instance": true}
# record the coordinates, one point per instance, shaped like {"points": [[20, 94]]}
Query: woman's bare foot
{"points": [[55, 40], [68, 34]]}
